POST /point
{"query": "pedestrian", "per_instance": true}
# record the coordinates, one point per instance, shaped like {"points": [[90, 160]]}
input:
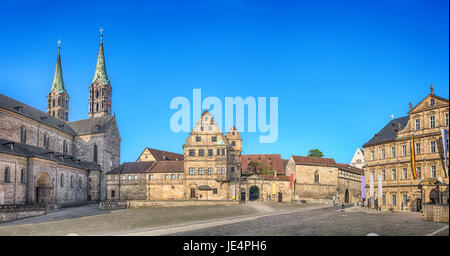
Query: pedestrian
{"points": [[343, 207]]}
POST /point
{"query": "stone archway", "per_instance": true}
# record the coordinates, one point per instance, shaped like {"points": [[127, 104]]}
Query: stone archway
{"points": [[44, 189], [347, 196], [254, 193]]}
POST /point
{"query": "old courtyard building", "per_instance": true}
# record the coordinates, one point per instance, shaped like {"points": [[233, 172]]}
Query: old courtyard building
{"points": [[414, 140], [209, 170], [44, 158], [322, 180]]}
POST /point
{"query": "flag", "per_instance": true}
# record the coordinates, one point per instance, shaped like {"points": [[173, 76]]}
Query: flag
{"points": [[371, 185], [234, 192], [445, 145], [363, 187], [413, 157], [380, 188]]}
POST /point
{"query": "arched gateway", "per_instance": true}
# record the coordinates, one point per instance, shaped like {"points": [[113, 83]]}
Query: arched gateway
{"points": [[44, 189], [254, 193]]}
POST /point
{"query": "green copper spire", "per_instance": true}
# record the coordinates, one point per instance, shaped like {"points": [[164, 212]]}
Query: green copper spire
{"points": [[100, 70], [58, 82]]}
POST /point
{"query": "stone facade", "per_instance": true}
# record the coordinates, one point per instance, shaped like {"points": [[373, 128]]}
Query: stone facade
{"points": [[323, 180], [389, 154], [211, 171]]}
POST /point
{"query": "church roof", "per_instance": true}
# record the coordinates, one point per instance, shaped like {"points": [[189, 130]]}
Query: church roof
{"points": [[92, 125], [100, 70], [388, 133], [58, 82], [26, 150], [35, 114]]}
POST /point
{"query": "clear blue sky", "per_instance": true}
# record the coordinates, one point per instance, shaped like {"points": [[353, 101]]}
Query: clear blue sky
{"points": [[339, 68]]}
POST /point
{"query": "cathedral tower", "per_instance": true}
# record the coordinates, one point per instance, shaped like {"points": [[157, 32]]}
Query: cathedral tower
{"points": [[58, 99], [100, 89]]}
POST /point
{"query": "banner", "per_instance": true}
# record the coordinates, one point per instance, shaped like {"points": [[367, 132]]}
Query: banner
{"points": [[445, 145], [234, 192], [413, 158], [380, 188], [363, 187], [274, 188], [371, 185]]}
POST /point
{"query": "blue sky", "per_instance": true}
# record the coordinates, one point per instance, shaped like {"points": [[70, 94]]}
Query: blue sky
{"points": [[338, 68]]}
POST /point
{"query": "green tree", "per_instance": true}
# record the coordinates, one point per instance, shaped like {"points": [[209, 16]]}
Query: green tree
{"points": [[315, 153]]}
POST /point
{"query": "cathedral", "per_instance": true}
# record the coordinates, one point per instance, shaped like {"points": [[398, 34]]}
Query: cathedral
{"points": [[45, 158]]}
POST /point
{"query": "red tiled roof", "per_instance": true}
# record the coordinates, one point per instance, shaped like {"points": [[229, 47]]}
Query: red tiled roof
{"points": [[272, 177], [161, 155], [168, 166], [132, 167], [273, 160], [309, 160], [350, 168]]}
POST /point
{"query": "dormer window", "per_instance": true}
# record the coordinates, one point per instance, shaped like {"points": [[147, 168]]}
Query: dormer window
{"points": [[19, 108], [432, 102]]}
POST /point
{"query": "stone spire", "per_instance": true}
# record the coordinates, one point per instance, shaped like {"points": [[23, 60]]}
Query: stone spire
{"points": [[58, 99], [100, 89], [100, 70], [58, 82]]}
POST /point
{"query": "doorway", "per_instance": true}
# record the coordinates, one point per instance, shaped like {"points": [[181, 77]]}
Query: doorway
{"points": [[280, 197], [243, 195], [347, 196], [44, 189], [193, 193]]}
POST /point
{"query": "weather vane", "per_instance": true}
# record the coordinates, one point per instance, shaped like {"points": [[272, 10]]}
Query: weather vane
{"points": [[59, 44], [101, 32]]}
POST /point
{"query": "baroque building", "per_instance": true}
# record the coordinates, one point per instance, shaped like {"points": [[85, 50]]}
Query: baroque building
{"points": [[45, 158], [405, 161]]}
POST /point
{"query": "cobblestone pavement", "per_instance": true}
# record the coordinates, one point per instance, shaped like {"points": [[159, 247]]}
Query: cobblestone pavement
{"points": [[329, 222], [89, 220], [254, 218]]}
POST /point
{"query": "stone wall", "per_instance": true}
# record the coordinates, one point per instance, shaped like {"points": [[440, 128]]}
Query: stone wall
{"points": [[436, 213], [108, 152], [10, 124]]}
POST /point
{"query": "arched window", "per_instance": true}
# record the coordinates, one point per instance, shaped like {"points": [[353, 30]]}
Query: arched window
{"points": [[96, 94], [61, 181], [7, 175], [64, 147], [22, 176], [96, 107], [316, 177], [23, 135], [95, 153]]}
